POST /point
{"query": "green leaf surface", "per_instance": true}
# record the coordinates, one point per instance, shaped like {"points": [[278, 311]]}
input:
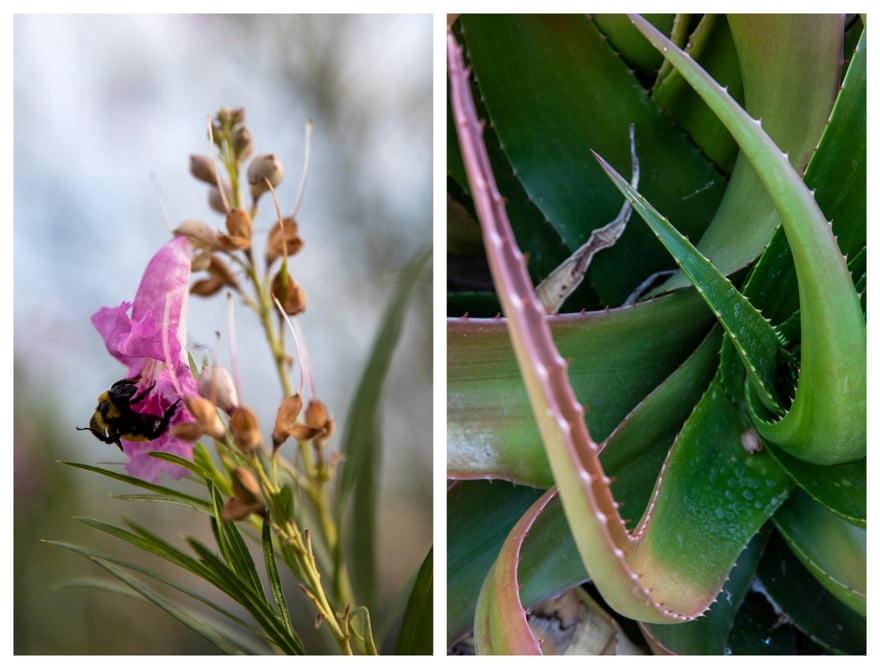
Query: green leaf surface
{"points": [[709, 635], [826, 423], [553, 89], [629, 43], [416, 635], [361, 443], [832, 550], [843, 488]]}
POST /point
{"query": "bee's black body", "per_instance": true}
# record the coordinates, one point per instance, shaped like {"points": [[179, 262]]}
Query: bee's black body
{"points": [[115, 419]]}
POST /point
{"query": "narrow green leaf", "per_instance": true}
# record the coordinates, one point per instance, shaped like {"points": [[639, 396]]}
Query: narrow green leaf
{"points": [[361, 443], [275, 580], [242, 592], [827, 420], [416, 635], [194, 502], [191, 621], [755, 339], [233, 547], [241, 640]]}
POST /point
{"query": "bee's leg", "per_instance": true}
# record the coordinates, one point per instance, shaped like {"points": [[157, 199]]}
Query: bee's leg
{"points": [[138, 398]]}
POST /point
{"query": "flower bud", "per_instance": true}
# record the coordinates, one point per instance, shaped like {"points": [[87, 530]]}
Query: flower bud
{"points": [[291, 296], [200, 235], [215, 384], [283, 238], [214, 199], [202, 168], [264, 167], [227, 116], [245, 429], [242, 144]]}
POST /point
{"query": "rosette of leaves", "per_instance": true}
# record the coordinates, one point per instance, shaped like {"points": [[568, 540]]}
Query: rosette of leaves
{"points": [[691, 443]]}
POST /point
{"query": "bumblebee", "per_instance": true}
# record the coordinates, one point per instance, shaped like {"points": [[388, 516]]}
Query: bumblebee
{"points": [[115, 419]]}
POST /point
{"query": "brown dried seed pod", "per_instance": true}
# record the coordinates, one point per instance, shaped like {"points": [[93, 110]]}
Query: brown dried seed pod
{"points": [[245, 429], [285, 419], [291, 296], [247, 496], [283, 238]]}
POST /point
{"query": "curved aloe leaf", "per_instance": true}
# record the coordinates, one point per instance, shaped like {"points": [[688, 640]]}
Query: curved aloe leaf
{"points": [[500, 625], [827, 420], [754, 338], [617, 357], [831, 549], [792, 588], [652, 575], [552, 86], [790, 83]]}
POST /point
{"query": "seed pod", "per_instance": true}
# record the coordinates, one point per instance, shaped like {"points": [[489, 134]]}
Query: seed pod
{"points": [[247, 496], [283, 239], [245, 429], [291, 296], [242, 144], [239, 227], [265, 167], [202, 168], [205, 421], [285, 419]]}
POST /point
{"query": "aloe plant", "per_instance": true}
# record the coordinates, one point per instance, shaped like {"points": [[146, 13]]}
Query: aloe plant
{"points": [[688, 435]]}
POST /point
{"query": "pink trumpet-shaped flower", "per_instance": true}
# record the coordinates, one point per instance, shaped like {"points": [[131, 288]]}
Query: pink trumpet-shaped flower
{"points": [[158, 314]]}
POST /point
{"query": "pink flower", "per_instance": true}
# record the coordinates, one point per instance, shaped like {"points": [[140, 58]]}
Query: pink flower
{"points": [[158, 313]]}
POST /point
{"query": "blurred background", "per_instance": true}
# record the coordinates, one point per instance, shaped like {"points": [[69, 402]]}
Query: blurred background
{"points": [[103, 103]]}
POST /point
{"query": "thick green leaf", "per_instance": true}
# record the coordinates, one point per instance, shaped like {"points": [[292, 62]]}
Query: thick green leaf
{"points": [[616, 358], [831, 549], [711, 45], [790, 67], [416, 635], [500, 624], [629, 43], [709, 634], [361, 443], [479, 517], [756, 341], [807, 604], [827, 420], [553, 89]]}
